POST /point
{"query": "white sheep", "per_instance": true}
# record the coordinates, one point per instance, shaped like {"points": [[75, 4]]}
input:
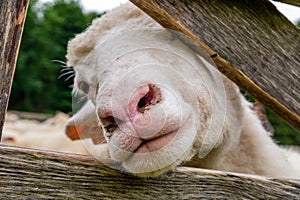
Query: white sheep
{"points": [[48, 135], [161, 105]]}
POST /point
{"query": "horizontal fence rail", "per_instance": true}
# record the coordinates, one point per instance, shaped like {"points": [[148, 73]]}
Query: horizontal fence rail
{"points": [[34, 174]]}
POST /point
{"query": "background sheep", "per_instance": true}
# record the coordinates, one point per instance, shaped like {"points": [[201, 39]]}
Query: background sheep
{"points": [[47, 135], [156, 111]]}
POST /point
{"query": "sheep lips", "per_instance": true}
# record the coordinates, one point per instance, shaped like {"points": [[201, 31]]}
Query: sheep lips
{"points": [[155, 144]]}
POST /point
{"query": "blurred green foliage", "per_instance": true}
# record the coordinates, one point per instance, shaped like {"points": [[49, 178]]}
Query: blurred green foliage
{"points": [[284, 134], [48, 29]]}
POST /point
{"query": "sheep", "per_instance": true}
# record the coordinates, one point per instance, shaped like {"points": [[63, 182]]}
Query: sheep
{"points": [[48, 135], [160, 105]]}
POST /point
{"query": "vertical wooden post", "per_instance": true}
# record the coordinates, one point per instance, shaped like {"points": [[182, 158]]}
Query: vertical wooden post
{"points": [[12, 17]]}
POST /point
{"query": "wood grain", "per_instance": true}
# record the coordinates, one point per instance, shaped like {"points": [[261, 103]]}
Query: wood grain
{"points": [[291, 2], [251, 42], [12, 17], [32, 174]]}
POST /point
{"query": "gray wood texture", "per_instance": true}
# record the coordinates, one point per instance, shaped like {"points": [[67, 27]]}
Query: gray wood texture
{"points": [[291, 2], [251, 42], [12, 17], [33, 174]]}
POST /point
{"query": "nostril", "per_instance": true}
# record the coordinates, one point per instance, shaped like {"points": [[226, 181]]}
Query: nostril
{"points": [[111, 128], [145, 101], [151, 98], [110, 123]]}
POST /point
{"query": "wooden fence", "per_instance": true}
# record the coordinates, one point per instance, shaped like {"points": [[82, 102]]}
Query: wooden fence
{"points": [[250, 42], [36, 174], [12, 18]]}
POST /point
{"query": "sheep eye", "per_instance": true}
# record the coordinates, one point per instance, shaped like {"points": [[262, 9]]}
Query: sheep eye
{"points": [[84, 87]]}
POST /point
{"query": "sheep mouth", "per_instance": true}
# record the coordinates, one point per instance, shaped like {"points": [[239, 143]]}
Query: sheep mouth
{"points": [[157, 155], [157, 143], [161, 142]]}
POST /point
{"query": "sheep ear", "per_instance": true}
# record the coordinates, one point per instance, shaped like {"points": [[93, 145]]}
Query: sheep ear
{"points": [[84, 124]]}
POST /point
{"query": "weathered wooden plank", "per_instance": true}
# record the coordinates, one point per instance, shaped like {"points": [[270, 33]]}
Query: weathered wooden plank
{"points": [[12, 17], [32, 174], [291, 2], [250, 41]]}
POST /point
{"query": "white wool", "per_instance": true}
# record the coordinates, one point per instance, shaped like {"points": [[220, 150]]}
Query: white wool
{"points": [[84, 43], [48, 135]]}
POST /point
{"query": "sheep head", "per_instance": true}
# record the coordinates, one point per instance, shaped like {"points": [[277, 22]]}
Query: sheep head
{"points": [[155, 101]]}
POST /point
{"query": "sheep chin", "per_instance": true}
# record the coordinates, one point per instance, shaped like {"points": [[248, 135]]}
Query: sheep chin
{"points": [[155, 163], [159, 172]]}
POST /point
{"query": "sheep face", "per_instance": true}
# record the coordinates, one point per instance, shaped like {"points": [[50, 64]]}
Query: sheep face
{"points": [[154, 99]]}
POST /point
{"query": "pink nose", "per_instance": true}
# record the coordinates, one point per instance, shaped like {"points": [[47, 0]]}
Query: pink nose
{"points": [[142, 99]]}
